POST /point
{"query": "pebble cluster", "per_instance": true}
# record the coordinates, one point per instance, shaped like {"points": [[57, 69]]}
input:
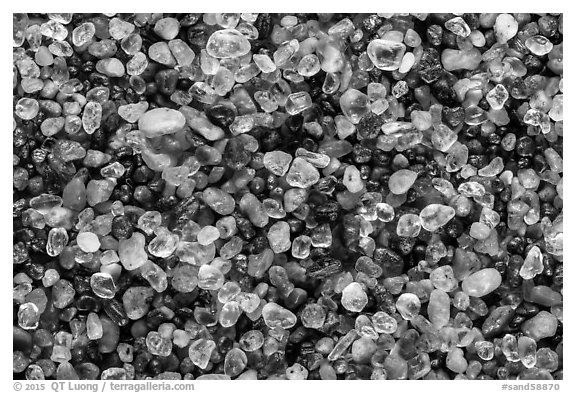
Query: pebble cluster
{"points": [[287, 196]]}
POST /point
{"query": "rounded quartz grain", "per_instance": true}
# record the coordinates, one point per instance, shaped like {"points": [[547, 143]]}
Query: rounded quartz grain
{"points": [[354, 105], [277, 316], [218, 200], [455, 59], [408, 305], [313, 316], [167, 28], [352, 179], [439, 308], [111, 67], [161, 121], [435, 216], [302, 174], [227, 43], [482, 282], [443, 278], [386, 54], [505, 28], [277, 162], [136, 301], [131, 251], [401, 181], [354, 298], [542, 325], [88, 241]]}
